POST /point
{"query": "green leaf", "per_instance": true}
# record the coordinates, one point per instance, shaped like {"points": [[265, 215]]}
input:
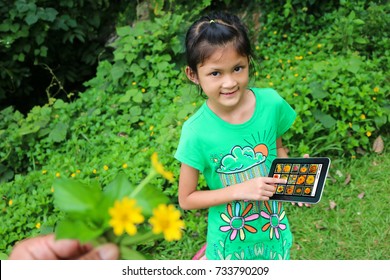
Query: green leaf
{"points": [[118, 188], [149, 198], [75, 197], [50, 14], [117, 71], [317, 91], [3, 256], [136, 70], [354, 64], [123, 31], [325, 119], [130, 254], [58, 134], [138, 97], [31, 18], [70, 229]]}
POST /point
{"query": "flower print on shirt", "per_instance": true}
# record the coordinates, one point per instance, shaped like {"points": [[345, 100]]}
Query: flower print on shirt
{"points": [[237, 221], [275, 215]]}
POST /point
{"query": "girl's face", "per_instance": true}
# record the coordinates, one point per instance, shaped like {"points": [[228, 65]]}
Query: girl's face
{"points": [[224, 78]]}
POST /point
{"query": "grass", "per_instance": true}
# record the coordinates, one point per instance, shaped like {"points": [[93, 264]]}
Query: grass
{"points": [[351, 222]]}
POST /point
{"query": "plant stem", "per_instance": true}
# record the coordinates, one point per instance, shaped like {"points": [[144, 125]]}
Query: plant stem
{"points": [[144, 182]]}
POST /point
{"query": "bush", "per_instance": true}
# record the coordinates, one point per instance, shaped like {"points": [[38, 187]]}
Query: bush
{"points": [[41, 39]]}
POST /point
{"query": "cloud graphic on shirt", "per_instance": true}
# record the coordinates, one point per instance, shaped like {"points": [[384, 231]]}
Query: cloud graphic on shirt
{"points": [[240, 159]]}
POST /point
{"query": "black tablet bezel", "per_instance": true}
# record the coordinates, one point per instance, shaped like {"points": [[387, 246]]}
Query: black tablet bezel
{"points": [[318, 183]]}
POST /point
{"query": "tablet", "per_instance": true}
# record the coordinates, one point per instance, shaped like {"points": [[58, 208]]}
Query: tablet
{"points": [[305, 178]]}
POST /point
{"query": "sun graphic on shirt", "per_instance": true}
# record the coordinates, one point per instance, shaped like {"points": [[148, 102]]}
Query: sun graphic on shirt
{"points": [[264, 143], [261, 148]]}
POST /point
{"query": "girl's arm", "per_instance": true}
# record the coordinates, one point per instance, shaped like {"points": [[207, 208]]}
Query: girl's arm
{"points": [[281, 151], [261, 188]]}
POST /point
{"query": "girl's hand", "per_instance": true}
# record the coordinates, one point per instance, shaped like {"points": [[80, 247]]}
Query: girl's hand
{"points": [[260, 188], [300, 204]]}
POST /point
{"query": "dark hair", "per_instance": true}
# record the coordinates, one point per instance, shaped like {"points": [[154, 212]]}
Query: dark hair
{"points": [[215, 30]]}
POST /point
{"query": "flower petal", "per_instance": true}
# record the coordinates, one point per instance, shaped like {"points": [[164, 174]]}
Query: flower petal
{"points": [[225, 228], [233, 235], [225, 218], [250, 228], [247, 209], [252, 217]]}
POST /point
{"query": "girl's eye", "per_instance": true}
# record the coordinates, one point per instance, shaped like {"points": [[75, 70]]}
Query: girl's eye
{"points": [[238, 69], [214, 74]]}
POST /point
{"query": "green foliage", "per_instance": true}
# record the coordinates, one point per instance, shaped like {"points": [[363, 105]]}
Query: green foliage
{"points": [[40, 35], [27, 208], [341, 96], [138, 101], [87, 211]]}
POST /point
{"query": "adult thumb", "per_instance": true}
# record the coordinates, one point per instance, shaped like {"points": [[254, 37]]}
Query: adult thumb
{"points": [[104, 252]]}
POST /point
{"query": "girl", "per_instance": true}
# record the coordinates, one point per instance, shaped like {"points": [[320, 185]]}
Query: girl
{"points": [[232, 139]]}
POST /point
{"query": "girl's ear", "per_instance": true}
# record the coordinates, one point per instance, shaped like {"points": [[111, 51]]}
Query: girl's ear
{"points": [[192, 75]]}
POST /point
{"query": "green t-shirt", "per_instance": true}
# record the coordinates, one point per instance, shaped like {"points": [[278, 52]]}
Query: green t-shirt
{"points": [[228, 154]]}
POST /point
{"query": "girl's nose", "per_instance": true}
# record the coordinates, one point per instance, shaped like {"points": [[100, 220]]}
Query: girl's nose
{"points": [[229, 82]]}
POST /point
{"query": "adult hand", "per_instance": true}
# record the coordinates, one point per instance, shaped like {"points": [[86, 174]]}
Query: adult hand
{"points": [[47, 248], [300, 204]]}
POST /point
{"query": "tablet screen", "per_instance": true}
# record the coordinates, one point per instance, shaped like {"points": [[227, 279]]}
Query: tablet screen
{"points": [[305, 178]]}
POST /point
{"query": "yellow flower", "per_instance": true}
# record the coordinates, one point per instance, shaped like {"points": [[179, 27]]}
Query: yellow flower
{"points": [[160, 168], [363, 116], [78, 171], [124, 216], [105, 167], [133, 83], [166, 220], [124, 165], [376, 89], [271, 84], [52, 189], [295, 94], [143, 90], [296, 75], [368, 133], [275, 32], [44, 171], [58, 175], [151, 127], [73, 175], [319, 46], [374, 98], [350, 125], [38, 225], [10, 202], [268, 76], [257, 48]]}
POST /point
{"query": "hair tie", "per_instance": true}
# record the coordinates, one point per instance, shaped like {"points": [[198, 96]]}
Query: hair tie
{"points": [[212, 21]]}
